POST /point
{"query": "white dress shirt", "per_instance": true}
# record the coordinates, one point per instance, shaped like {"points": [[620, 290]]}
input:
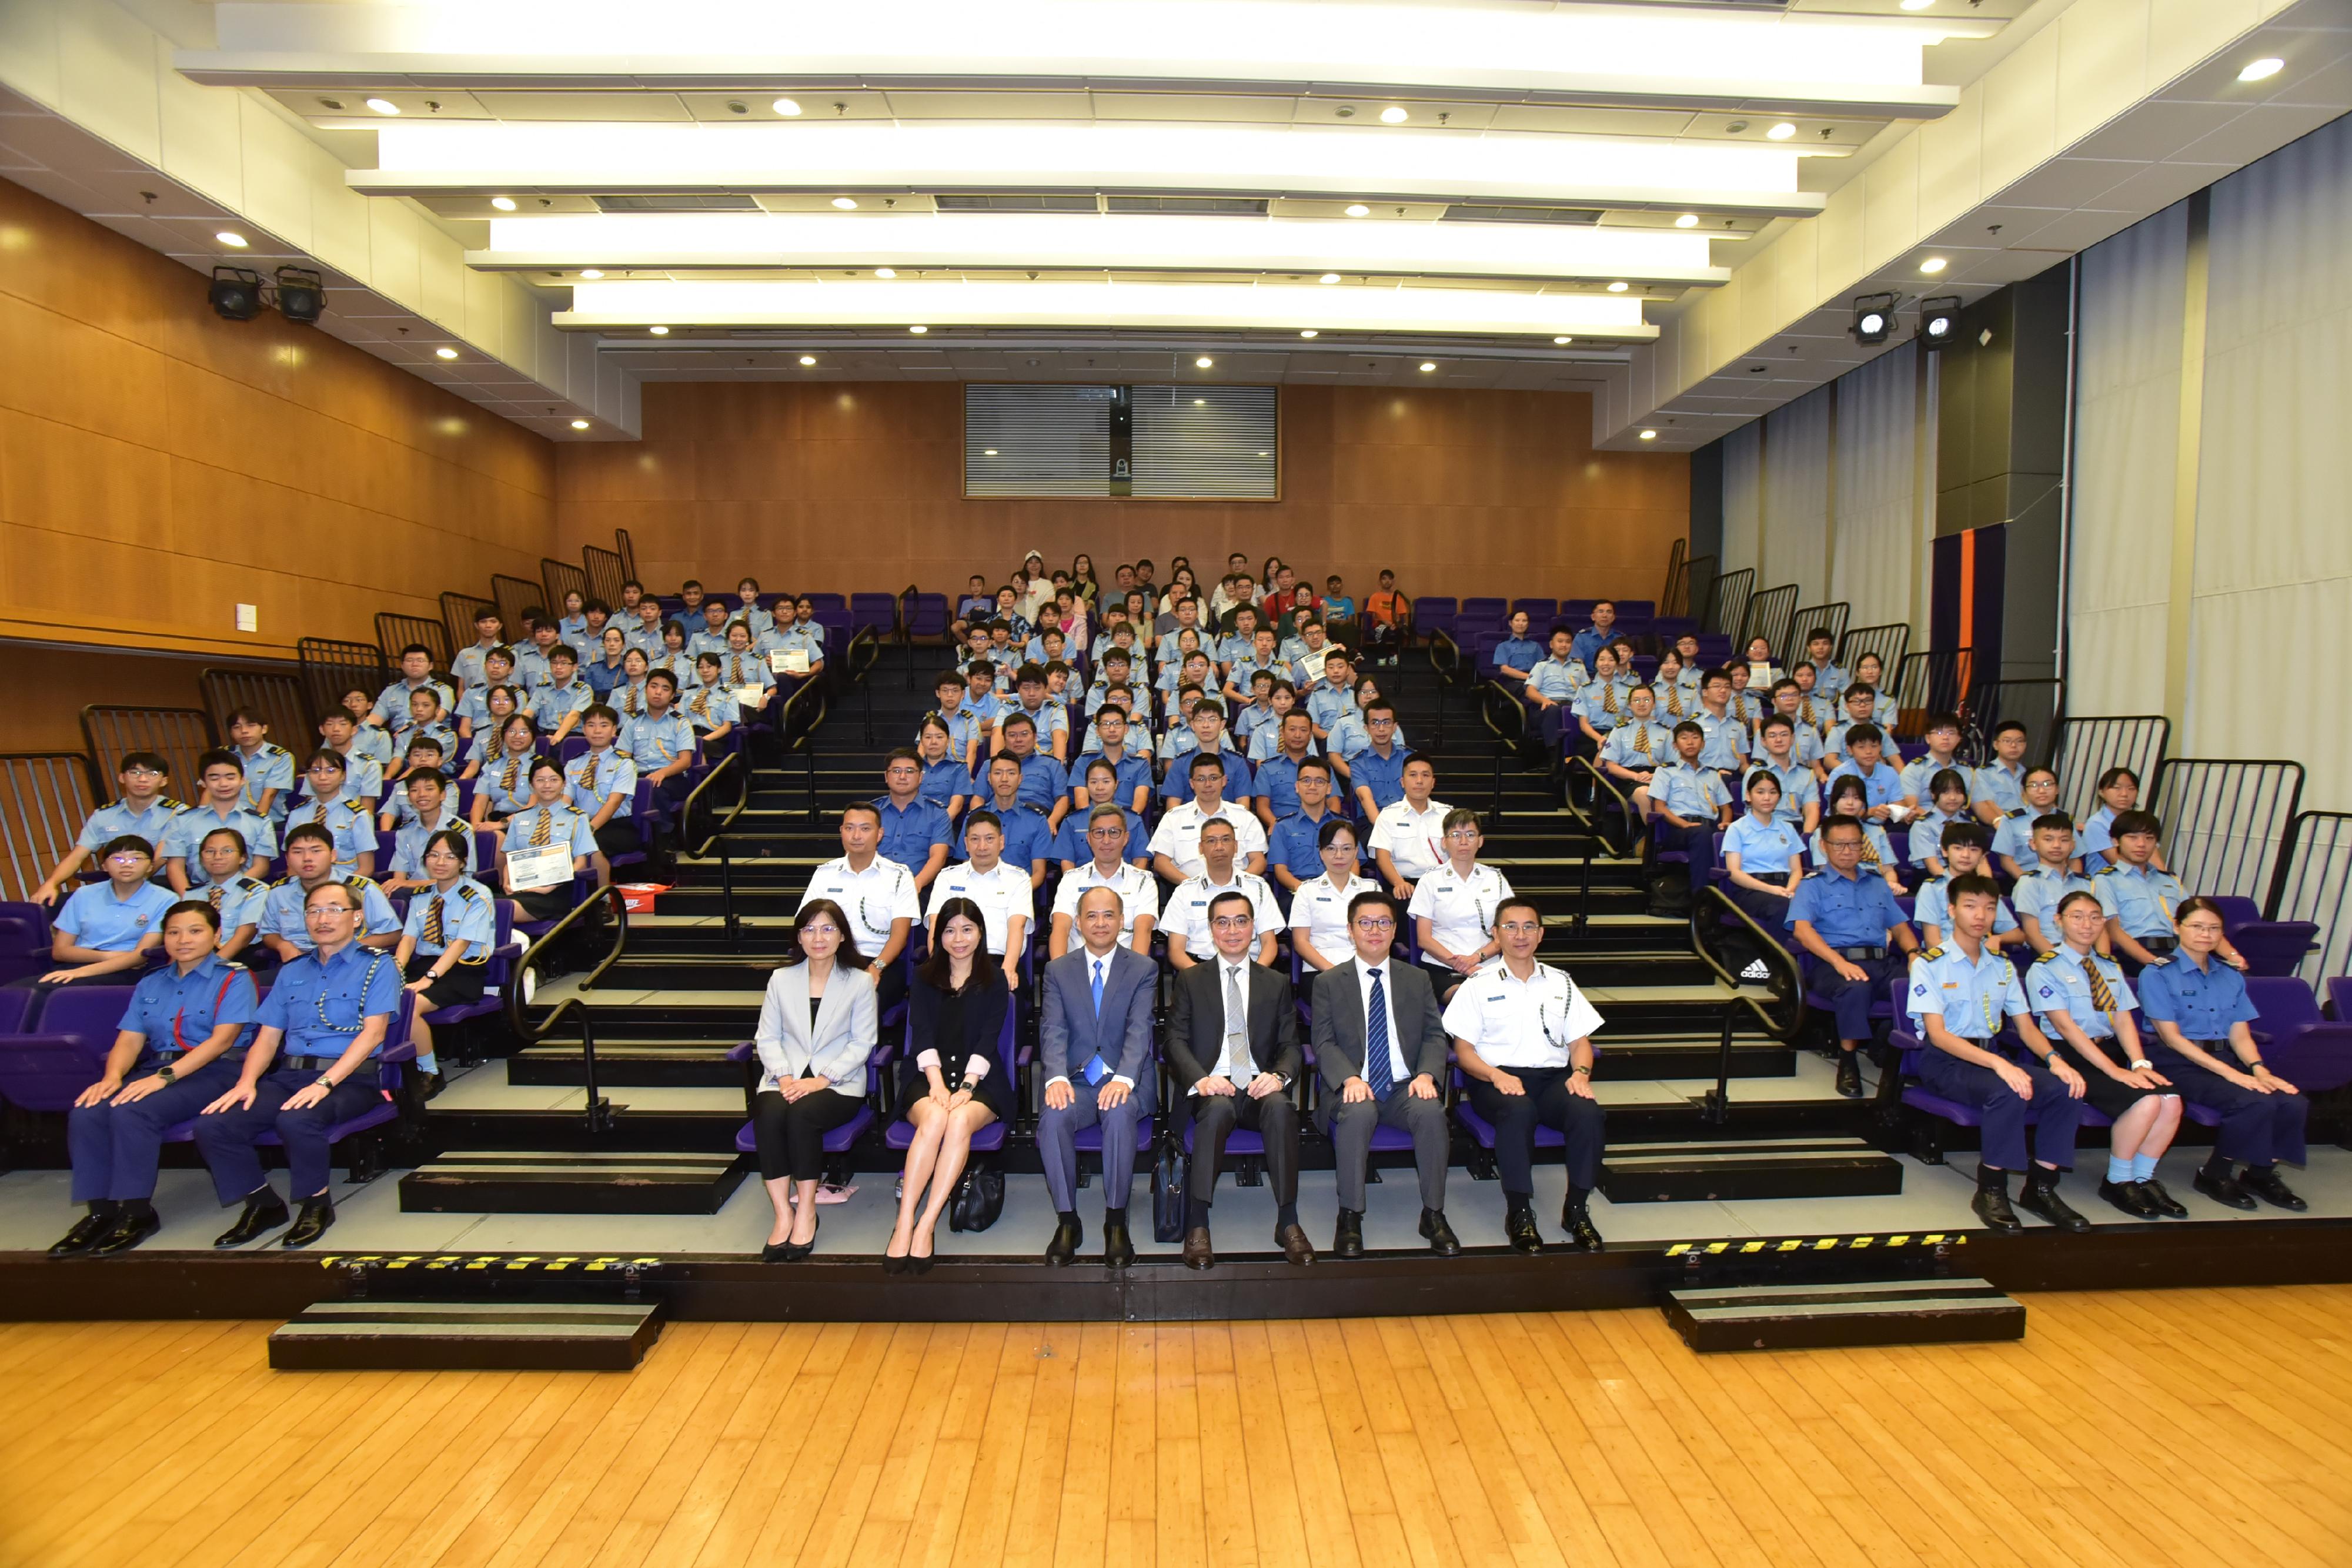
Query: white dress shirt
{"points": [[1386, 970], [1138, 890], [1460, 909], [1322, 910], [1187, 916], [1234, 1062], [872, 898], [1001, 893], [1179, 834], [1415, 839], [1515, 1023]]}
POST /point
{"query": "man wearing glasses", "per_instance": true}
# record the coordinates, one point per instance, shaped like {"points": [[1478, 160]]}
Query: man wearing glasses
{"points": [[331, 1010], [144, 811], [1380, 1043], [1107, 866]]}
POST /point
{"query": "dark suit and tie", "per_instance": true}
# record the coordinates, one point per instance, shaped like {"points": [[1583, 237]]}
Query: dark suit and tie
{"points": [[1381, 1025], [1237, 1020], [1095, 1030]]}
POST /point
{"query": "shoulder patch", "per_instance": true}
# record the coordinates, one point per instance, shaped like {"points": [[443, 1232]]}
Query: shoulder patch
{"points": [[358, 882], [2108, 870], [465, 891], [1931, 954], [282, 882], [2048, 957]]}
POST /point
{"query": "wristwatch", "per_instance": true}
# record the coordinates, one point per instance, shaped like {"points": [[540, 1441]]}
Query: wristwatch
{"points": [[2142, 1064], [1580, 1071], [167, 1075]]}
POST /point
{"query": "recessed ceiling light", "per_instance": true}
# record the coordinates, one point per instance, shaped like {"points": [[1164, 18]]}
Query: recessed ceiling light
{"points": [[1563, 342], [846, 203], [785, 107], [658, 332], [1934, 264], [1649, 435], [1428, 365], [1780, 132], [384, 105], [1618, 286], [446, 353], [592, 273], [2261, 69], [1916, 4], [1688, 221], [808, 359], [1306, 332], [1203, 362], [579, 424], [1394, 114], [918, 332], [1358, 210], [1200, 403], [1328, 277], [231, 238], [886, 272], [503, 203], [988, 452]]}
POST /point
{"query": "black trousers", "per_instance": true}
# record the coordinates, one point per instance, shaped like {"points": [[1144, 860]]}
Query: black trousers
{"points": [[620, 837], [1546, 1103], [791, 1134], [1275, 1119], [890, 985]]}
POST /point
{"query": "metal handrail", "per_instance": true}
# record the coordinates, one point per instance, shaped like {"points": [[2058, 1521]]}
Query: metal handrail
{"points": [[600, 1110], [740, 767], [855, 669], [906, 635], [1510, 733], [1589, 821], [1448, 669], [796, 737], [1706, 903]]}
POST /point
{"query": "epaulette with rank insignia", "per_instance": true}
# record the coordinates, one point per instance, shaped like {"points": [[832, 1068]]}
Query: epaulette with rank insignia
{"points": [[2048, 956], [282, 881], [1932, 954], [2108, 870], [355, 880], [465, 891], [2020, 812]]}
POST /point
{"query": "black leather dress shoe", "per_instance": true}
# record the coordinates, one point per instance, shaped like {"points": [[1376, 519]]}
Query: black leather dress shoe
{"points": [[1992, 1204], [1849, 1074], [310, 1222], [259, 1219], [2265, 1184], [1295, 1248], [1118, 1247], [135, 1224], [2041, 1198], [1519, 1229], [430, 1085], [1348, 1236], [2223, 1189], [1442, 1239], [1581, 1233], [782, 1252], [2129, 1196], [1063, 1250], [88, 1232], [1198, 1253], [2163, 1202]]}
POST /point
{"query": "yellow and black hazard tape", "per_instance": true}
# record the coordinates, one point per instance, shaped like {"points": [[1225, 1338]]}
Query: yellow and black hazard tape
{"points": [[1817, 1244], [502, 1262]]}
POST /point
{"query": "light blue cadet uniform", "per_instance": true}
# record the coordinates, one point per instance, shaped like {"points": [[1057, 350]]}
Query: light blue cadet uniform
{"points": [[2013, 834], [353, 829], [1834, 741], [594, 775], [963, 724], [2143, 899], [408, 843], [1050, 719], [2039, 892], [1245, 723], [1727, 740], [392, 703], [1931, 906], [551, 703], [1327, 704], [1916, 774], [188, 830], [2060, 981], [1882, 785], [241, 901], [572, 630], [371, 745], [736, 670], [1816, 711], [1266, 744], [98, 920], [362, 774], [909, 836], [409, 733], [2002, 785], [567, 828], [644, 638], [320, 1006], [1974, 998], [2094, 836], [1804, 740], [469, 914], [1307, 664], [1695, 793], [701, 640], [271, 768], [1764, 849], [655, 743], [473, 708], [530, 670], [1027, 839], [116, 1149], [2204, 1002], [801, 637], [758, 617], [1797, 787], [1877, 853], [1070, 841], [504, 782], [281, 913], [109, 822], [1639, 743], [1601, 704], [1926, 835], [1556, 679], [708, 707]]}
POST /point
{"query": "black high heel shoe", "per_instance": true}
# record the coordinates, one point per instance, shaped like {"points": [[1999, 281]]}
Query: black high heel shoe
{"points": [[918, 1265], [796, 1252]]}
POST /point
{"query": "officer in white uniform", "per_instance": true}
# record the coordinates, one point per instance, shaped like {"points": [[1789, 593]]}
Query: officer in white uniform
{"points": [[878, 895]]}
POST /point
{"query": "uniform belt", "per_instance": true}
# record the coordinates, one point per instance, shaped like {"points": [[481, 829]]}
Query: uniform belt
{"points": [[318, 1064], [2160, 944], [1861, 951]]}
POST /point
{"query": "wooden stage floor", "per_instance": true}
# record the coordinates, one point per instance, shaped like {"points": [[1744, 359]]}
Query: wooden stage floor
{"points": [[2197, 1427]]}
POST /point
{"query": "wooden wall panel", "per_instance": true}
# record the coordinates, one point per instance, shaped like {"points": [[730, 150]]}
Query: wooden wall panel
{"points": [[858, 487], [168, 465]]}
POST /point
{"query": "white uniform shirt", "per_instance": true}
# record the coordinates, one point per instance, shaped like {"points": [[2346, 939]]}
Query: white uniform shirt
{"points": [[1460, 909], [1001, 893], [1138, 890], [1179, 834], [1322, 911], [1514, 1023], [1414, 840], [1187, 917], [873, 898]]}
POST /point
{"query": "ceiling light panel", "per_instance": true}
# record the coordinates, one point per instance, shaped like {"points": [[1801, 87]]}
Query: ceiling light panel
{"points": [[619, 305], [1089, 242]]}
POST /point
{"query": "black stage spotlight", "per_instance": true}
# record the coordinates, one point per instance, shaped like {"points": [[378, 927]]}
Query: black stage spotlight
{"points": [[235, 293], [301, 296], [1873, 317], [1939, 321]]}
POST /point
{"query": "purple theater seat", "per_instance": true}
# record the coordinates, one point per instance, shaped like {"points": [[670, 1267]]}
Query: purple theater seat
{"points": [[2271, 948], [1481, 615], [2301, 1046], [1540, 614], [65, 1034], [926, 615], [1433, 614], [399, 1048], [838, 1139], [879, 611], [820, 602], [900, 1133], [24, 941]]}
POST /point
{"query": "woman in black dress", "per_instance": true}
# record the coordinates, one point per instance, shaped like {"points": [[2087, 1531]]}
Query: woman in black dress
{"points": [[956, 1084]]}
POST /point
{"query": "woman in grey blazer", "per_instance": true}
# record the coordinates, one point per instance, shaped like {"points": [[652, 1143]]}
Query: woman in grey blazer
{"points": [[816, 1029]]}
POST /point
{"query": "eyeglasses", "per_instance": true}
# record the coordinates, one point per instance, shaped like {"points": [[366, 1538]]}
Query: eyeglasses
{"points": [[1233, 922], [1463, 835], [125, 859], [1374, 923], [143, 773]]}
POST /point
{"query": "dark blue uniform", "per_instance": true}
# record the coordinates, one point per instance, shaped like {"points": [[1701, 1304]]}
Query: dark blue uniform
{"points": [[1295, 842], [910, 836], [2202, 1003], [116, 1149], [1853, 914]]}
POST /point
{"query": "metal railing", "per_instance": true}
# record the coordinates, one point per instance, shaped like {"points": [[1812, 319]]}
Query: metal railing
{"points": [[1708, 906], [1771, 615], [1890, 643], [1593, 819], [865, 651], [2039, 703], [1696, 593], [2088, 747], [605, 573], [275, 699], [1677, 570], [627, 550], [1830, 618], [178, 735], [2226, 822], [330, 668], [796, 724], [1446, 660], [457, 613], [736, 768], [518, 991], [560, 578], [1727, 606], [2313, 882], [906, 638], [45, 796], [513, 595], [1505, 718], [395, 632]]}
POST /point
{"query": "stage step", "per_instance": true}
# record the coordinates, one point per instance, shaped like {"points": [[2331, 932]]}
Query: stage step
{"points": [[467, 1336], [504, 1181], [1857, 1312], [643, 1065], [1733, 1169]]}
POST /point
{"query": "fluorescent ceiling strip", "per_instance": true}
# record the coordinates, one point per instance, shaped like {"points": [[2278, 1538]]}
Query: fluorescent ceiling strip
{"points": [[1138, 242], [1177, 306], [1375, 163], [1288, 44]]}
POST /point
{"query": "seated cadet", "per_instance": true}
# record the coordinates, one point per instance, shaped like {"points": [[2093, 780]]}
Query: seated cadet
{"points": [[1870, 670], [1453, 907], [222, 805], [111, 926], [488, 710], [1801, 797], [660, 740], [2142, 899], [875, 894], [1947, 788], [1756, 670], [1551, 686], [330, 805], [1044, 783], [1003, 891], [603, 784], [1369, 754], [2050, 875], [429, 810], [1024, 838], [1307, 656], [1882, 785], [183, 1021], [364, 752], [645, 633], [1637, 747], [745, 670], [1332, 697], [502, 786], [1264, 741], [1963, 854], [711, 636], [1276, 780], [606, 670], [946, 782], [1408, 837], [709, 707], [390, 709], [2001, 783], [915, 830], [1176, 852], [1850, 797], [690, 593], [1814, 708], [1111, 841], [1133, 768], [1517, 655], [1848, 922], [1185, 917], [1049, 722], [1759, 852], [964, 726], [489, 633], [331, 1008], [1239, 643], [2118, 792], [1261, 655], [2205, 1052], [1522, 1034], [557, 704], [532, 665], [1960, 995], [1203, 732], [548, 821], [2012, 838], [674, 655], [747, 607], [1942, 756], [452, 926], [311, 864], [144, 811], [571, 625], [237, 899], [1674, 701], [1586, 645], [474, 702], [429, 752], [1860, 701], [1820, 648], [1257, 708], [1804, 740], [2085, 1007], [1600, 706], [1690, 799], [268, 767], [1074, 846]]}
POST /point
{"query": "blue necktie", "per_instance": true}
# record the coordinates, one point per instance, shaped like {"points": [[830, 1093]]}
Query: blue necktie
{"points": [[1099, 985], [1376, 1043]]}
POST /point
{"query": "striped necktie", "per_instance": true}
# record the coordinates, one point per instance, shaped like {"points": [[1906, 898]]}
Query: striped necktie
{"points": [[514, 766], [542, 833], [2103, 995], [432, 934], [1642, 740], [1609, 698]]}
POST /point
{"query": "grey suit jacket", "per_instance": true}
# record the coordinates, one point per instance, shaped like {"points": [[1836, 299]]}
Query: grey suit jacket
{"points": [[837, 1048], [1068, 1033], [1338, 1023]]}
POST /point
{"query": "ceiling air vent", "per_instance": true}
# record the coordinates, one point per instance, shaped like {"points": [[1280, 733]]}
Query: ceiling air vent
{"points": [[1489, 212], [1235, 206], [680, 203], [968, 203]]}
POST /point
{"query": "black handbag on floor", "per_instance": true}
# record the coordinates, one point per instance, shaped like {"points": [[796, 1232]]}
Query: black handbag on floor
{"points": [[978, 1199], [1168, 1190]]}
